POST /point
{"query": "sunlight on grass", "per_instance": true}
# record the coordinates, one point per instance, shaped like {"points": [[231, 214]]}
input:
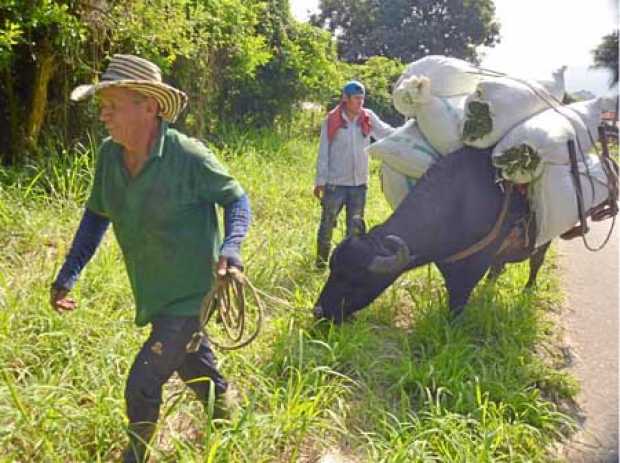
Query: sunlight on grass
{"points": [[399, 384]]}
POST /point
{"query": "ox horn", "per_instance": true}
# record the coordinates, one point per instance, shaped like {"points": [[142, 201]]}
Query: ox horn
{"points": [[394, 263]]}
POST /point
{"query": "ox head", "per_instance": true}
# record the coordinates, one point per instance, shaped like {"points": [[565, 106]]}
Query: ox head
{"points": [[361, 267]]}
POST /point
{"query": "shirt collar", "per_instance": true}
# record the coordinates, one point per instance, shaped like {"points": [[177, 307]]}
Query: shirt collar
{"points": [[158, 146], [346, 118]]}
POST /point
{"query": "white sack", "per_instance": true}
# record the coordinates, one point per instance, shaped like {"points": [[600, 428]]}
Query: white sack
{"points": [[405, 150], [553, 199], [450, 76], [440, 119], [395, 185], [509, 102], [547, 133], [556, 86]]}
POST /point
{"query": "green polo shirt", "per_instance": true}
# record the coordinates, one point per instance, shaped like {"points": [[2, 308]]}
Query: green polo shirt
{"points": [[165, 220]]}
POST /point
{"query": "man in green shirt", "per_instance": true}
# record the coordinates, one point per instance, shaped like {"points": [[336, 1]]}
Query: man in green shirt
{"points": [[159, 189]]}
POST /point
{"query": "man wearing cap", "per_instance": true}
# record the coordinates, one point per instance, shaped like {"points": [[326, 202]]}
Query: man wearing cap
{"points": [[342, 165], [159, 189]]}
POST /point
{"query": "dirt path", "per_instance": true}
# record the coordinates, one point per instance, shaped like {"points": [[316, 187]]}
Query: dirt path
{"points": [[590, 281]]}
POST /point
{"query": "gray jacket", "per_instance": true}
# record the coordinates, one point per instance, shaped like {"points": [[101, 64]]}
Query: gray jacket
{"points": [[345, 161]]}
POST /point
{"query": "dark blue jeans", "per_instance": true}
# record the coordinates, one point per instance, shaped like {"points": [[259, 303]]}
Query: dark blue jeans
{"points": [[163, 353], [335, 197]]}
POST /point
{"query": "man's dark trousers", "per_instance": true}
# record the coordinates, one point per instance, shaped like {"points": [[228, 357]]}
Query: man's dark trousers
{"points": [[163, 353]]}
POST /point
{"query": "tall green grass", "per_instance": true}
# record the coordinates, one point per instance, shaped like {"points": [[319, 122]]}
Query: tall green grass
{"points": [[399, 384]]}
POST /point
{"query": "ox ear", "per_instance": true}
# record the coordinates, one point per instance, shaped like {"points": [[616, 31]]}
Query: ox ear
{"points": [[358, 226]]}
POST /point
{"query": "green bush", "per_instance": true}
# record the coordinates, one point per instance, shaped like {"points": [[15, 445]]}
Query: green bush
{"points": [[379, 75], [303, 67]]}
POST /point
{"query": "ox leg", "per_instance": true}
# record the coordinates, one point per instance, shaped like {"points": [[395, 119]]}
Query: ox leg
{"points": [[462, 277], [495, 271], [536, 261]]}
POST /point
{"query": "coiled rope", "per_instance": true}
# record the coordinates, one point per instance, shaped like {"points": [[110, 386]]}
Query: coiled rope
{"points": [[227, 302]]}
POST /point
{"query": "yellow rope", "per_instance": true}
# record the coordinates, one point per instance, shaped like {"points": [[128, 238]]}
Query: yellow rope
{"points": [[227, 301]]}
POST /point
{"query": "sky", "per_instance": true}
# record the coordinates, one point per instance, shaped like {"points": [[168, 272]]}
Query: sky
{"points": [[538, 36]]}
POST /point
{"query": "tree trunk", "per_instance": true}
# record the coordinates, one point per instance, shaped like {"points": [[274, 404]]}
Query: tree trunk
{"points": [[14, 117], [45, 68]]}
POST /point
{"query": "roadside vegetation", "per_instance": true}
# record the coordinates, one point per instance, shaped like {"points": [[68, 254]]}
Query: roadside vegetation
{"points": [[400, 383]]}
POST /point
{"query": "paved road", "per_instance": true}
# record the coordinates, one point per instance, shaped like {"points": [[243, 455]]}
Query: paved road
{"points": [[591, 282]]}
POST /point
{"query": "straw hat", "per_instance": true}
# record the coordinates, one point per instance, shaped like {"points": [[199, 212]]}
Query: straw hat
{"points": [[143, 76]]}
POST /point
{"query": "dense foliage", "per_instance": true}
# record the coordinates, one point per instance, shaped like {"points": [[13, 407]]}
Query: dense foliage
{"points": [[242, 62]]}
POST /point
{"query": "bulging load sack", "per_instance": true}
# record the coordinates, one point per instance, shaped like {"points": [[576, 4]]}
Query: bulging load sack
{"points": [[439, 118], [497, 105], [556, 86], [450, 76], [395, 186], [554, 201], [410, 93], [405, 150], [543, 138]]}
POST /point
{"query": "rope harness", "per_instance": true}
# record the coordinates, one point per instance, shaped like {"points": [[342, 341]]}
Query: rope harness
{"points": [[605, 210], [492, 235], [609, 208]]}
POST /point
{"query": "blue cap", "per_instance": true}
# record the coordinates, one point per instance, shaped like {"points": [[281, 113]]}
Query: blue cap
{"points": [[353, 87]]}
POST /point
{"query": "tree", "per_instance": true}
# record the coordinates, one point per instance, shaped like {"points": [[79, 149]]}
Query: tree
{"points": [[218, 45], [48, 47], [302, 67], [239, 60], [378, 74], [35, 39], [606, 56], [409, 29]]}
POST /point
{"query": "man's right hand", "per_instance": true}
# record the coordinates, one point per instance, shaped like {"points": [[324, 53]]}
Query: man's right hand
{"points": [[60, 302], [319, 190]]}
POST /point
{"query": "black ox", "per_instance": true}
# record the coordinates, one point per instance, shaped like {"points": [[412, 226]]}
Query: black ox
{"points": [[454, 207]]}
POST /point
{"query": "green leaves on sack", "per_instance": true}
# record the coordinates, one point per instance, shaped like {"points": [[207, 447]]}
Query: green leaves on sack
{"points": [[519, 163], [478, 121]]}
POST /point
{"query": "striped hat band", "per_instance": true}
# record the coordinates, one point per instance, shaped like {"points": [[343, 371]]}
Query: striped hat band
{"points": [[140, 75], [129, 67]]}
